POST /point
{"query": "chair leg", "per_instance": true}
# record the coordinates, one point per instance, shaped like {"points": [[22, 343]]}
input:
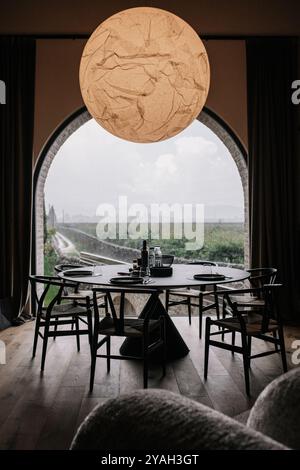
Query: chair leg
{"points": [[167, 301], [45, 343], [189, 310], [275, 337], [108, 353], [223, 317], [77, 333], [233, 341], [146, 371], [200, 314], [249, 349], [93, 360], [246, 362], [90, 328], [282, 348], [36, 336], [145, 360], [217, 303], [206, 347], [106, 305], [163, 336], [55, 330]]}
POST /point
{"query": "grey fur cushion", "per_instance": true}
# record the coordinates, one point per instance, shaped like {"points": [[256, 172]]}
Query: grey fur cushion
{"points": [[158, 419], [276, 412]]}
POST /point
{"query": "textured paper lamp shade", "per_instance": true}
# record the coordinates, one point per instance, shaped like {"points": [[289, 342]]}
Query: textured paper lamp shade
{"points": [[144, 74]]}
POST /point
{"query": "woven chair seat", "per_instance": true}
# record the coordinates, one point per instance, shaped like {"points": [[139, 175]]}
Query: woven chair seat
{"points": [[65, 310], [185, 292], [82, 295], [133, 327], [253, 324], [247, 299]]}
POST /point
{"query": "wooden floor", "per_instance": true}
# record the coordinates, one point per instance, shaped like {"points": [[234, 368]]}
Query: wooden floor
{"points": [[43, 412]]}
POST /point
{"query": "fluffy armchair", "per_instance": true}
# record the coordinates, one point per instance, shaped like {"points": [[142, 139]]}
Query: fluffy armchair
{"points": [[161, 420], [276, 412]]}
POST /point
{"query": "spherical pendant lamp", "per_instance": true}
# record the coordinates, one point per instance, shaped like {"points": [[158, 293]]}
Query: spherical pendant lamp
{"points": [[144, 74]]}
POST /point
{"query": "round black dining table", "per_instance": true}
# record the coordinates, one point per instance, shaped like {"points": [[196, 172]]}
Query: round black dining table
{"points": [[183, 276]]}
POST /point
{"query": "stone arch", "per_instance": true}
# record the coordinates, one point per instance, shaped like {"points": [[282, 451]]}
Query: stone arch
{"points": [[80, 117], [239, 155], [45, 159]]}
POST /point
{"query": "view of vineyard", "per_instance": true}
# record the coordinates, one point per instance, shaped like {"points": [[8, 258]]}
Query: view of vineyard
{"points": [[222, 242]]}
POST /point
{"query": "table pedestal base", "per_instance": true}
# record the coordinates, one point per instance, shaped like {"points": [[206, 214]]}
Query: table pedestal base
{"points": [[176, 347]]}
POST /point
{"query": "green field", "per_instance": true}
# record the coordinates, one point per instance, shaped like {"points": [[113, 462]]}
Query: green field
{"points": [[223, 242]]}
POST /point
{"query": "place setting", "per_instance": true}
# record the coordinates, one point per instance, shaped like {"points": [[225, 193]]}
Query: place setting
{"points": [[89, 271]]}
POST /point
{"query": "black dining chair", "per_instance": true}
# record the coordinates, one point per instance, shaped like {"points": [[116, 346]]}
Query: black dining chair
{"points": [[151, 331], [258, 278], [78, 293], [58, 313], [194, 298], [257, 320]]}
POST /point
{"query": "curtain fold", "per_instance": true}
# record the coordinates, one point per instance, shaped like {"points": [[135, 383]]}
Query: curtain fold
{"points": [[17, 70], [271, 69]]}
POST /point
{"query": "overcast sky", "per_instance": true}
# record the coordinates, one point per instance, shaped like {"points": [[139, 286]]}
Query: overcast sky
{"points": [[95, 167]]}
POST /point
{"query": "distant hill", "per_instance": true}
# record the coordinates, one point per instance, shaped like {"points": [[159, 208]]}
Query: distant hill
{"points": [[224, 213], [213, 214]]}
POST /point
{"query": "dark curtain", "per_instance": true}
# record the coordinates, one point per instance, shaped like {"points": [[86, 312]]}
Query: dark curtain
{"points": [[271, 69], [17, 70]]}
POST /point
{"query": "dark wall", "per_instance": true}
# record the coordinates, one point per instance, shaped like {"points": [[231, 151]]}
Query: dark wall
{"points": [[228, 17]]}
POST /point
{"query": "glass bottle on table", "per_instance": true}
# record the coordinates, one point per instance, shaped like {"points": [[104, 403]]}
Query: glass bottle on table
{"points": [[157, 257], [151, 257], [135, 268], [144, 259]]}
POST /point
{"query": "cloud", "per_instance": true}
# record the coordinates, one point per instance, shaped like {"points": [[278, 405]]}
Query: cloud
{"points": [[195, 146], [93, 167], [166, 164]]}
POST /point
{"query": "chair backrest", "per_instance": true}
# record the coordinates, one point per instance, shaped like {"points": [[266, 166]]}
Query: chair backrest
{"points": [[48, 281], [261, 276], [119, 317], [263, 312]]}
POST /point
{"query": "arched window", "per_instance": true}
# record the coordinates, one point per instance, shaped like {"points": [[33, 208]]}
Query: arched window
{"points": [[83, 172]]}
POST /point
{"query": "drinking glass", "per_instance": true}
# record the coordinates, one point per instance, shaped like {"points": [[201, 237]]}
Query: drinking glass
{"points": [[97, 269]]}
